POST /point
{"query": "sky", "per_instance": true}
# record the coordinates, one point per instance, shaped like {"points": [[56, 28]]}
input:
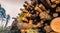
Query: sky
{"points": [[12, 7]]}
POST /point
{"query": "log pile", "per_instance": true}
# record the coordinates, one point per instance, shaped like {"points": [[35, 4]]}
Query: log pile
{"points": [[38, 14]]}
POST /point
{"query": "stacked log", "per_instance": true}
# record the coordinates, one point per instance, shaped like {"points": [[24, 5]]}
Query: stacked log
{"points": [[38, 14]]}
